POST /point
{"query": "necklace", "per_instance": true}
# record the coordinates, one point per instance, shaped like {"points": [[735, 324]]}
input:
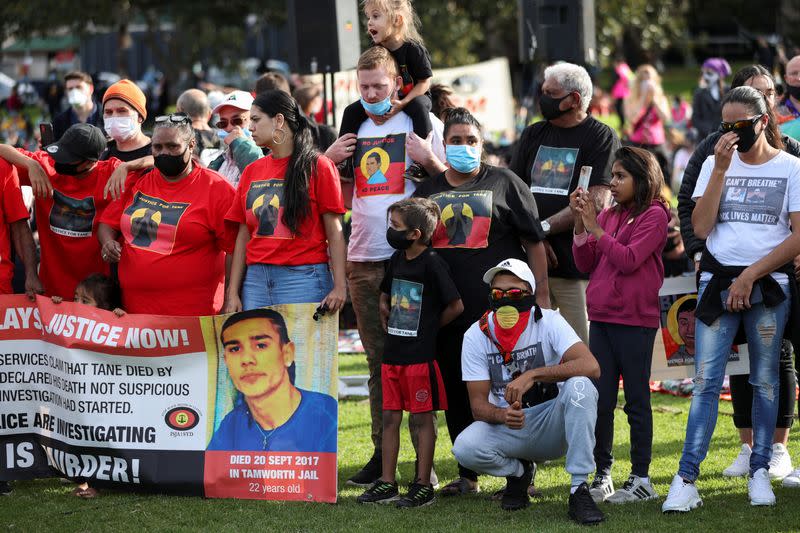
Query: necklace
{"points": [[267, 435]]}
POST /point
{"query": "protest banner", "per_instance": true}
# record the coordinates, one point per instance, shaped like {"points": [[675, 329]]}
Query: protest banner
{"points": [[240, 406], [673, 355]]}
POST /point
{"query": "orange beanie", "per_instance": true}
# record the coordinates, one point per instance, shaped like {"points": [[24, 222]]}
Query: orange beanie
{"points": [[130, 93]]}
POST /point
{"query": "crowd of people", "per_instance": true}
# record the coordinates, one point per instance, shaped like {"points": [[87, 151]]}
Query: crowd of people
{"points": [[513, 297]]}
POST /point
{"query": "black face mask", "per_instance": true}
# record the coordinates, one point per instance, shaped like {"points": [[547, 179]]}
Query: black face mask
{"points": [[171, 165], [526, 303], [747, 138], [549, 106], [793, 91], [397, 239], [68, 169]]}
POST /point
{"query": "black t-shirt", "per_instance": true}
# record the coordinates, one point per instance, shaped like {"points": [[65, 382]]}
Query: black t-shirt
{"points": [[549, 160], [482, 223], [419, 290], [414, 63], [132, 155]]}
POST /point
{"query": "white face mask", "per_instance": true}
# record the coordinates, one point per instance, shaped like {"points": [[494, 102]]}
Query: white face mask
{"points": [[77, 98], [121, 128]]}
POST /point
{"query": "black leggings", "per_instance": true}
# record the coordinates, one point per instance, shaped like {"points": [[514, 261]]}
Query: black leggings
{"points": [[742, 393]]}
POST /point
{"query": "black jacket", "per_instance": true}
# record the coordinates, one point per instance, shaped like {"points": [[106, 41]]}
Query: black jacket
{"points": [[692, 243]]}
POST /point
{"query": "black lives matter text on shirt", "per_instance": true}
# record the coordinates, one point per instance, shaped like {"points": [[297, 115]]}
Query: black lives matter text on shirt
{"points": [[752, 200], [483, 222], [418, 290], [414, 63], [549, 161]]}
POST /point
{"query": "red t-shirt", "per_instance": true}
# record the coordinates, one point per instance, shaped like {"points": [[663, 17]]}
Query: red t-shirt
{"points": [[12, 209], [259, 204], [67, 225], [173, 242]]}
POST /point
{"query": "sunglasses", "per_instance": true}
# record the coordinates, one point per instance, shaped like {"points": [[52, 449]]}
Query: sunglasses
{"points": [[175, 118], [739, 124], [511, 294], [236, 121]]}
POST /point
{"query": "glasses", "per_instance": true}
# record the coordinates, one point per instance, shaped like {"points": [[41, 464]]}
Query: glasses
{"points": [[236, 121], [511, 294], [739, 124], [175, 118]]}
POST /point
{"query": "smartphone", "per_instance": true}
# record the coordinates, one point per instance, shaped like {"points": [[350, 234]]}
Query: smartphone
{"points": [[756, 296], [46, 132], [583, 180]]}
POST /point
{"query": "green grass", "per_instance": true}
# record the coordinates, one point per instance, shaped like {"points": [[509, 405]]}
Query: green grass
{"points": [[46, 505]]}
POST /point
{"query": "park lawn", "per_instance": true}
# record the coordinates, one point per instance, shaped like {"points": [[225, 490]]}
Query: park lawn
{"points": [[46, 505]]}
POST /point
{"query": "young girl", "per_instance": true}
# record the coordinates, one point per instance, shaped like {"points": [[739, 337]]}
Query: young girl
{"points": [[97, 290], [621, 251], [393, 24]]}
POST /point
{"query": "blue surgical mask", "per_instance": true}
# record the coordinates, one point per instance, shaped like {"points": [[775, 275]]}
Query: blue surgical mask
{"points": [[379, 108], [222, 134], [463, 158]]}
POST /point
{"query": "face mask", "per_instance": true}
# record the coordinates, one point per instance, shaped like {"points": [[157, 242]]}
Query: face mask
{"points": [[379, 108], [549, 106], [526, 303], [711, 77], [397, 239], [68, 169], [747, 138], [463, 158], [171, 165], [793, 91], [121, 128], [77, 98]]}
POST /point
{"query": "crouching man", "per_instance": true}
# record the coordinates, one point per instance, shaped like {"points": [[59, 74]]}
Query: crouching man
{"points": [[529, 380]]}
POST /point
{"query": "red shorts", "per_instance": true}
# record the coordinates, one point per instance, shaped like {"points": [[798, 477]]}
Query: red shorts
{"points": [[414, 388]]}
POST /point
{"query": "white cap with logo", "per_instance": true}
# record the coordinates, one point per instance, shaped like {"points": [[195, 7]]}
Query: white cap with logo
{"points": [[238, 99], [516, 267]]}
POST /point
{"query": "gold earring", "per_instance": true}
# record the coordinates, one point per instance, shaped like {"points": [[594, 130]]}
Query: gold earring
{"points": [[283, 139]]}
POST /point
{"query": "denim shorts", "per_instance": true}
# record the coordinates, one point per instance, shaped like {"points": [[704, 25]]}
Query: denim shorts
{"points": [[266, 285]]}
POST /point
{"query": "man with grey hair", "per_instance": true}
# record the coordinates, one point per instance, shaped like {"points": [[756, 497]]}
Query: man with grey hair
{"points": [[549, 157], [194, 103]]}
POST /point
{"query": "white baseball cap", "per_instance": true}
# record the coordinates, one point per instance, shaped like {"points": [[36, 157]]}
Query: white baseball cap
{"points": [[516, 267], [238, 99]]}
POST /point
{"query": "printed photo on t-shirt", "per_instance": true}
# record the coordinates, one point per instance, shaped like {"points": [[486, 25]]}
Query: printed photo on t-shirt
{"points": [[380, 164], [552, 170], [752, 200], [265, 209], [151, 223], [406, 308], [72, 217], [465, 220], [526, 359]]}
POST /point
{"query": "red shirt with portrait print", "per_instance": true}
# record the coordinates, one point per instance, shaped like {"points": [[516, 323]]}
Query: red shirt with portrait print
{"points": [[259, 204], [67, 224], [12, 209], [173, 242]]}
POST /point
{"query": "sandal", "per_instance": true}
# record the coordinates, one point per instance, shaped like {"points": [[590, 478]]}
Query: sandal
{"points": [[459, 487], [86, 493]]}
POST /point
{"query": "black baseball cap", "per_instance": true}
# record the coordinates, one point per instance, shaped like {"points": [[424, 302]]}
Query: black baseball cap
{"points": [[81, 142]]}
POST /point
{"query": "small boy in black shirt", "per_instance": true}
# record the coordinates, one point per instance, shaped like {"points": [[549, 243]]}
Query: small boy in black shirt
{"points": [[418, 297]]}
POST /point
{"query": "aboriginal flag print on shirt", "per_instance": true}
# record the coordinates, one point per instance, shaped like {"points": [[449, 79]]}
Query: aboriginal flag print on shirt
{"points": [[151, 223], [265, 209], [380, 164], [465, 220], [72, 217]]}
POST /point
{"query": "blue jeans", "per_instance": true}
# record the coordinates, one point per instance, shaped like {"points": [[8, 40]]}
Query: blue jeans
{"points": [[266, 285], [764, 328]]}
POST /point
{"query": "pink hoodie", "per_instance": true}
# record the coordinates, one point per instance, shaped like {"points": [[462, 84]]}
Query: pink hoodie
{"points": [[624, 266]]}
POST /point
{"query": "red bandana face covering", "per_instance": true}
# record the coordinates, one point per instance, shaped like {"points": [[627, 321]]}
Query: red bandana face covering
{"points": [[508, 327]]}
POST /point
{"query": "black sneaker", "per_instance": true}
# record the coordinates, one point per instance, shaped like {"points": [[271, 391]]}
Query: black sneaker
{"points": [[434, 478], [369, 473], [418, 496], [582, 508], [416, 173], [516, 496], [380, 492], [5, 488], [533, 492]]}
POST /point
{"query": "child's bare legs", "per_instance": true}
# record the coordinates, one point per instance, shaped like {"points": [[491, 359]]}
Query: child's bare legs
{"points": [[391, 444], [427, 443]]}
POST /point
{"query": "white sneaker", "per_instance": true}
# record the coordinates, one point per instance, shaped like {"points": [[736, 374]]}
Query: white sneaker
{"points": [[741, 465], [780, 465], [601, 488], [635, 489], [792, 481], [682, 497], [760, 489]]}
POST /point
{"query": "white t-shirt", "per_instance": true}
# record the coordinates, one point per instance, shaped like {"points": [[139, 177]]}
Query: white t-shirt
{"points": [[754, 208], [543, 343], [380, 161]]}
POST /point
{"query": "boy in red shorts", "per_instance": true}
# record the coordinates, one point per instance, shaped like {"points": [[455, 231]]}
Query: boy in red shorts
{"points": [[418, 297]]}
